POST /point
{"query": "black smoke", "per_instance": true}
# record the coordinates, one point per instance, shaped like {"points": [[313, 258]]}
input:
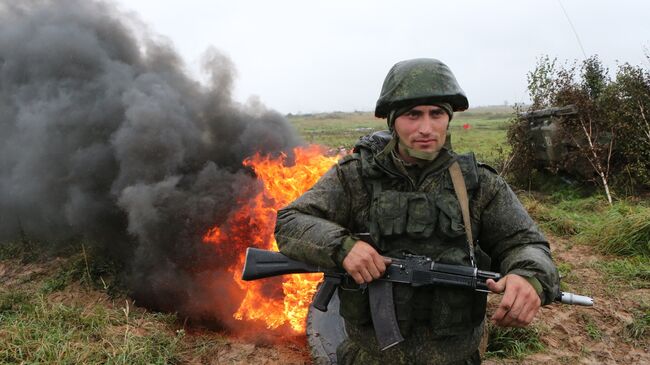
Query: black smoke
{"points": [[103, 135]]}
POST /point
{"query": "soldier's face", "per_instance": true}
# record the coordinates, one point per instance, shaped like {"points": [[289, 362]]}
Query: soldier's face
{"points": [[423, 128]]}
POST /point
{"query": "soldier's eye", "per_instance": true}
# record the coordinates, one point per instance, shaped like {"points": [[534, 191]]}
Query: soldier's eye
{"points": [[413, 114]]}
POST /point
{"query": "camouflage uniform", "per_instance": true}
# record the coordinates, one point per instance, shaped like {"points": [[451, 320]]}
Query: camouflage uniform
{"points": [[409, 208]]}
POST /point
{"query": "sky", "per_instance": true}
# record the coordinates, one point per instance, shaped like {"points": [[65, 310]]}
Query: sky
{"points": [[307, 56]]}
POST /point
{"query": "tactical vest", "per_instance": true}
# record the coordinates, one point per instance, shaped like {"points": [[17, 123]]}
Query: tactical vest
{"points": [[426, 221]]}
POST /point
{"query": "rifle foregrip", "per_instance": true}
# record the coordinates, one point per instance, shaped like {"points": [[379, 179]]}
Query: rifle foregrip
{"points": [[325, 292]]}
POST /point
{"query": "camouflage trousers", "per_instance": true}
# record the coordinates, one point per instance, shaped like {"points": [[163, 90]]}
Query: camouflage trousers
{"points": [[421, 346]]}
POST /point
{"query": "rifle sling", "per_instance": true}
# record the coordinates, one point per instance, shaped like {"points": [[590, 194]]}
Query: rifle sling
{"points": [[461, 193]]}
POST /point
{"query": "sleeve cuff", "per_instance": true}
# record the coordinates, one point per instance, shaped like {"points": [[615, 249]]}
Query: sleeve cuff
{"points": [[344, 249], [530, 277], [536, 284]]}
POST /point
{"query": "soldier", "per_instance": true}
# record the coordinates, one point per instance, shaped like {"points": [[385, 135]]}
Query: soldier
{"points": [[399, 186]]}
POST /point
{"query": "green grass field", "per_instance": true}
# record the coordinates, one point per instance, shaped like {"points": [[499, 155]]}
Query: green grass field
{"points": [[486, 135]]}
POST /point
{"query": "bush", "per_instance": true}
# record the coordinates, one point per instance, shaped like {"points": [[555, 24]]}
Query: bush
{"points": [[607, 141]]}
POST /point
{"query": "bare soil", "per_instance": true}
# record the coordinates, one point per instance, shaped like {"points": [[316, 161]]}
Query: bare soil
{"points": [[566, 335]]}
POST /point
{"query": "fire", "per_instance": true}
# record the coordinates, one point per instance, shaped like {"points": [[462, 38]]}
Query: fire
{"points": [[253, 225]]}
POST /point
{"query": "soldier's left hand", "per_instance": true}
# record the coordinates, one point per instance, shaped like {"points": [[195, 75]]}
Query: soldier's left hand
{"points": [[519, 304]]}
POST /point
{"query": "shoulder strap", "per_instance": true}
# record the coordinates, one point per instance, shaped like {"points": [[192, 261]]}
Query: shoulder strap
{"points": [[461, 193]]}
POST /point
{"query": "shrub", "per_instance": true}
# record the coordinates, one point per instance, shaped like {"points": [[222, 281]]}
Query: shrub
{"points": [[606, 141]]}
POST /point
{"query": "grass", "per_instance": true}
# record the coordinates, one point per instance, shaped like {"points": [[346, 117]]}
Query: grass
{"points": [[566, 275], [638, 331], [74, 269], [622, 230], [513, 343], [564, 268], [560, 215], [23, 250], [591, 327], [485, 135], [37, 329], [628, 272], [334, 130], [66, 315]]}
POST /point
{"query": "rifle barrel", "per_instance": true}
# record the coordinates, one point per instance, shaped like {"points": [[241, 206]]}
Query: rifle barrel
{"points": [[575, 299]]}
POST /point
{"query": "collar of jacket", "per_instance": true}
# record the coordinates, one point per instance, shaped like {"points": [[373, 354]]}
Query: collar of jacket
{"points": [[376, 152]]}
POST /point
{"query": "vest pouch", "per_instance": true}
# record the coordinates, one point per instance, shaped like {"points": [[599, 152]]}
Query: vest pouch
{"points": [[450, 219], [483, 261], [422, 214], [455, 310], [389, 212], [403, 300], [354, 305]]}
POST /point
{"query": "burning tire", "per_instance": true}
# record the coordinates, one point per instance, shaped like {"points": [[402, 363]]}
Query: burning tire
{"points": [[325, 331]]}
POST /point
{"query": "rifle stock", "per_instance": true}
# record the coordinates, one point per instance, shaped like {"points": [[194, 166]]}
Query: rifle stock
{"points": [[262, 264]]}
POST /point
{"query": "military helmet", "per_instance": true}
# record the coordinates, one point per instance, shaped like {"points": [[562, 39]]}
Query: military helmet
{"points": [[420, 81]]}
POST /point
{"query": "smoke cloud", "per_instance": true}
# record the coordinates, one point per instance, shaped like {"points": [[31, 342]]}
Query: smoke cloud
{"points": [[104, 136]]}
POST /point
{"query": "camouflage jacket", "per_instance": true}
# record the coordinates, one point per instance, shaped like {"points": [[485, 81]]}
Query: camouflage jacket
{"points": [[319, 226]]}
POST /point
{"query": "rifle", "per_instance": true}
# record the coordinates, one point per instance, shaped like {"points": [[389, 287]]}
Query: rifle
{"points": [[415, 270]]}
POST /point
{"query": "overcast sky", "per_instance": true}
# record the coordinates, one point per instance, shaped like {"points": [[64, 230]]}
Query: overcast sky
{"points": [[304, 56]]}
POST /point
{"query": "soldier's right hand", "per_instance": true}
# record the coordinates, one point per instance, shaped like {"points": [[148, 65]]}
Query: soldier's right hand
{"points": [[364, 263]]}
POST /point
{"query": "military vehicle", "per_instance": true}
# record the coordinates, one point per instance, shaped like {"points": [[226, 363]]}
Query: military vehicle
{"points": [[543, 133], [554, 150]]}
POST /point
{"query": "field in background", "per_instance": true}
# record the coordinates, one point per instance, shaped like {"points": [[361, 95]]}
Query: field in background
{"points": [[484, 133], [68, 310]]}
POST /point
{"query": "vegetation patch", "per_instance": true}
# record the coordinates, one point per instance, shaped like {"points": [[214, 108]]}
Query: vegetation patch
{"points": [[638, 331], [564, 213], [511, 342], [12, 301], [622, 230], [586, 124], [591, 327], [629, 272], [38, 330], [481, 133], [22, 250]]}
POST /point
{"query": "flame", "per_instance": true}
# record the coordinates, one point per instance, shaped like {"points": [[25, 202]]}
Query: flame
{"points": [[253, 225]]}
